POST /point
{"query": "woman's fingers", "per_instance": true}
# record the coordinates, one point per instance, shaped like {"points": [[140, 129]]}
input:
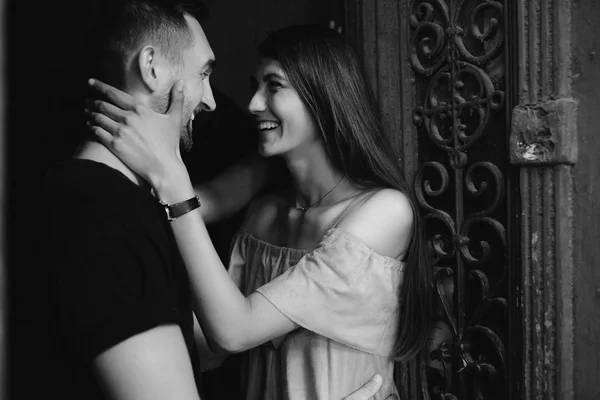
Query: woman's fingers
{"points": [[114, 95], [104, 122], [176, 106], [107, 109], [104, 137]]}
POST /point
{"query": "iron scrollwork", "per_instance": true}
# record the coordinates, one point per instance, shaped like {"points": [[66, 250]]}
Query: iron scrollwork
{"points": [[457, 55]]}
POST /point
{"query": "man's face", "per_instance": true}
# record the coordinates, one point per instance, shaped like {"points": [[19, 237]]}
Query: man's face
{"points": [[197, 64]]}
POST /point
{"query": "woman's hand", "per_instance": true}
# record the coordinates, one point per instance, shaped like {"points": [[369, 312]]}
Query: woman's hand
{"points": [[146, 141]]}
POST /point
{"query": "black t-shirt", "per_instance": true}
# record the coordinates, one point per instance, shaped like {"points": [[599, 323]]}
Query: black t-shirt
{"points": [[114, 270]]}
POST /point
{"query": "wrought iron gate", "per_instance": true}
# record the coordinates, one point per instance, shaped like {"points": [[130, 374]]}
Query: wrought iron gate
{"points": [[455, 78], [457, 53]]}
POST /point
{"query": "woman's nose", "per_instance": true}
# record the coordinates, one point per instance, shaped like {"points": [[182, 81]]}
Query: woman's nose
{"points": [[257, 102]]}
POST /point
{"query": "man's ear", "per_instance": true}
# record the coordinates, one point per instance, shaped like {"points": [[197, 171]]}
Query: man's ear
{"points": [[149, 67]]}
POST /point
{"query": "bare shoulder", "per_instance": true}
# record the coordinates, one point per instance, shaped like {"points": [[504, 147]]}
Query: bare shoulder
{"points": [[263, 213], [383, 222]]}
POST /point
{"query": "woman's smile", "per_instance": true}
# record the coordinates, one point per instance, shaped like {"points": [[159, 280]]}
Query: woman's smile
{"points": [[267, 125]]}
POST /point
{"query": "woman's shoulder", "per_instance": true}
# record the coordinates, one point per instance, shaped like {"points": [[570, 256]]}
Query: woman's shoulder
{"points": [[392, 200], [383, 221], [389, 206]]}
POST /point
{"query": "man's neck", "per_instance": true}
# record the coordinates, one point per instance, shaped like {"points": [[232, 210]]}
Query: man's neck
{"points": [[95, 151]]}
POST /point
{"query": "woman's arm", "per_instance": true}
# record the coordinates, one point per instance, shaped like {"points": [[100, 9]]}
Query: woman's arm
{"points": [[230, 321], [207, 358]]}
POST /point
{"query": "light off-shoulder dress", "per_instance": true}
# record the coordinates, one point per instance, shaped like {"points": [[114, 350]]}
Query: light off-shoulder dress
{"points": [[343, 295]]}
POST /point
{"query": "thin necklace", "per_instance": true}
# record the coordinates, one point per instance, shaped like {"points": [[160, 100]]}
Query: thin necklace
{"points": [[304, 209]]}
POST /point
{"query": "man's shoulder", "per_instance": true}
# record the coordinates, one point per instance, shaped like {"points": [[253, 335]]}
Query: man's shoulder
{"points": [[88, 206], [96, 194], [89, 181], [79, 174]]}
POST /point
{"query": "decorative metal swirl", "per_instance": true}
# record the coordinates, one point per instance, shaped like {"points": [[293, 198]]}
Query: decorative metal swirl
{"points": [[424, 187], [455, 46], [435, 22], [492, 36], [429, 41], [473, 93], [477, 188]]}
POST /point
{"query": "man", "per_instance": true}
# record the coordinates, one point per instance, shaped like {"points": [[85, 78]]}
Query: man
{"points": [[122, 322]]}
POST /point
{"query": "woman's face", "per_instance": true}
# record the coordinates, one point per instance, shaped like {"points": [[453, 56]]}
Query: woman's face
{"points": [[284, 123]]}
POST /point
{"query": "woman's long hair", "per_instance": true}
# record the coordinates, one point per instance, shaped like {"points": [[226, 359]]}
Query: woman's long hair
{"points": [[326, 74]]}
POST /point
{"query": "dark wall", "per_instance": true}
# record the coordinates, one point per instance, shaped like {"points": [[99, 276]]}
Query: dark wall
{"points": [[45, 80], [236, 27], [586, 89]]}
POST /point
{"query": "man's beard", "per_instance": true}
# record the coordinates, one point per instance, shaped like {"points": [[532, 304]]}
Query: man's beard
{"points": [[186, 140]]}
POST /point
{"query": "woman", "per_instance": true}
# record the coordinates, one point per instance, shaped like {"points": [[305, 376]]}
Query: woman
{"points": [[329, 282]]}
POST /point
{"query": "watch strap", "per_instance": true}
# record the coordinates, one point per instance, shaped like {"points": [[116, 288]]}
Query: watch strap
{"points": [[176, 210]]}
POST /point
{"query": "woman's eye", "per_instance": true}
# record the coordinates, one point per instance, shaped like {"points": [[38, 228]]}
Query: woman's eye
{"points": [[274, 86]]}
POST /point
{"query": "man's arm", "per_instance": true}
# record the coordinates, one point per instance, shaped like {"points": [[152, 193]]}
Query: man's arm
{"points": [[151, 365], [229, 192]]}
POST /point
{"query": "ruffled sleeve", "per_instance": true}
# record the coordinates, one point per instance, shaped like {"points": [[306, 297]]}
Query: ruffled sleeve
{"points": [[342, 290], [237, 261]]}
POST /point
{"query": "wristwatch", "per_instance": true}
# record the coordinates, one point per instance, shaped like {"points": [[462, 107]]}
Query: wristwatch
{"points": [[176, 210]]}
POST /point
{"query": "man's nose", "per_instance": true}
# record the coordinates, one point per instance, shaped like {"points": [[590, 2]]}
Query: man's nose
{"points": [[208, 100]]}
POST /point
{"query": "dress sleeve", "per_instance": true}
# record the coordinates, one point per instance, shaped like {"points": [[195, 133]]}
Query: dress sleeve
{"points": [[342, 290], [237, 261]]}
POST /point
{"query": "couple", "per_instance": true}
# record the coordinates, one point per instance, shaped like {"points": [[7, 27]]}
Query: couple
{"points": [[328, 282]]}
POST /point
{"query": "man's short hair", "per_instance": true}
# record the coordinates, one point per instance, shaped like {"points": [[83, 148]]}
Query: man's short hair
{"points": [[121, 27]]}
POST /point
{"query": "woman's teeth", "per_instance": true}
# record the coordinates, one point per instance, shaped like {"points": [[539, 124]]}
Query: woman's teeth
{"points": [[267, 125]]}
